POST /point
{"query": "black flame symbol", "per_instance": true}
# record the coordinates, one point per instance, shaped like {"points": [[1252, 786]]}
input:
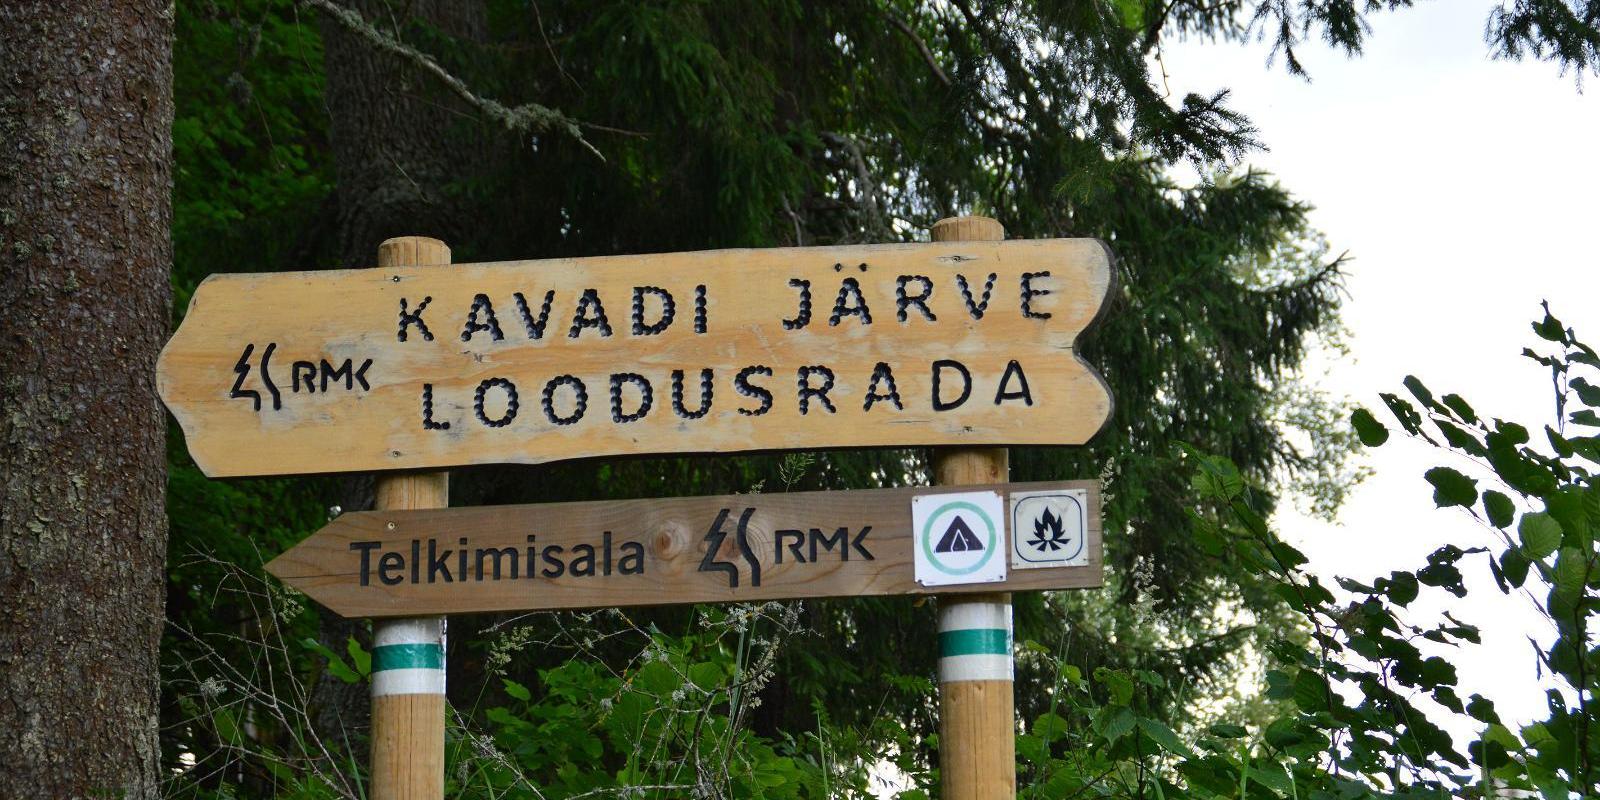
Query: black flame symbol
{"points": [[1048, 533]]}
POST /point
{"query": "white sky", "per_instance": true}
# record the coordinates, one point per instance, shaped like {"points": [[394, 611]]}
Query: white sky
{"points": [[1464, 188]]}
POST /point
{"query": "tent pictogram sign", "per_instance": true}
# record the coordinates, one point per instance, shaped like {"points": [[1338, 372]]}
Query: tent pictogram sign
{"points": [[957, 536]]}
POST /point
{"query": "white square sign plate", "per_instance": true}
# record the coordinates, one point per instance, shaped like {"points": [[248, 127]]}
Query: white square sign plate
{"points": [[1049, 529], [959, 538]]}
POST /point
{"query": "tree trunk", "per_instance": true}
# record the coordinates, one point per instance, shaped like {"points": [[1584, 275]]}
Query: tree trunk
{"points": [[391, 126], [85, 255]]}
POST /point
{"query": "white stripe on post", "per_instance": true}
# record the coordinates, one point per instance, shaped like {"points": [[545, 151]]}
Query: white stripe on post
{"points": [[408, 656], [407, 681], [975, 642]]}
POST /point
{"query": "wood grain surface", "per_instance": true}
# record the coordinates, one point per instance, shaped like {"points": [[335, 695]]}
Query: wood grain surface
{"points": [[416, 367], [977, 751], [408, 729], [661, 551]]}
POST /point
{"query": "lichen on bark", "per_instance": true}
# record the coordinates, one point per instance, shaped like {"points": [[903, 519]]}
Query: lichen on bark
{"points": [[85, 170]]}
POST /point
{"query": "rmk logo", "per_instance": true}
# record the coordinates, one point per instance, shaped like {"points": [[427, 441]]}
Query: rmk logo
{"points": [[714, 539]]}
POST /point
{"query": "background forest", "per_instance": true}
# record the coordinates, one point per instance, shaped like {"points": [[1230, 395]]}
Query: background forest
{"points": [[305, 133]]}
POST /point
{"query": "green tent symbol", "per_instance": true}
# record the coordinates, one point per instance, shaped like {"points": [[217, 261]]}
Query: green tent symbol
{"points": [[958, 538]]}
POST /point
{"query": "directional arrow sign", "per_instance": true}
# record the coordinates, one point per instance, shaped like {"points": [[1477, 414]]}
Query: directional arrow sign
{"points": [[650, 552], [968, 343]]}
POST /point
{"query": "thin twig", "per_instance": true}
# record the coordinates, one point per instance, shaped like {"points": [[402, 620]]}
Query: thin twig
{"points": [[927, 54], [539, 20], [526, 118]]}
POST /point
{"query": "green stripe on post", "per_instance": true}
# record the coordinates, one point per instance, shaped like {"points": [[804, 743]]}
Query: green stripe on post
{"points": [[407, 656], [975, 642]]}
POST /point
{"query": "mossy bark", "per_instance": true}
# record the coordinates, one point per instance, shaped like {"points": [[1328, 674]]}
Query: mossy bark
{"points": [[85, 255]]}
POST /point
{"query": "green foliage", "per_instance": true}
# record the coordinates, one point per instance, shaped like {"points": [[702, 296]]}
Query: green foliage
{"points": [[1287, 23], [251, 166], [1541, 535], [660, 724], [1451, 488], [1368, 428], [1555, 543], [816, 123], [1360, 708], [784, 123], [357, 670], [1564, 31]]}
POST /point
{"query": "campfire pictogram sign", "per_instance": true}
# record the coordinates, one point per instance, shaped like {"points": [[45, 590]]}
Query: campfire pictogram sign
{"points": [[1048, 533], [1047, 529]]}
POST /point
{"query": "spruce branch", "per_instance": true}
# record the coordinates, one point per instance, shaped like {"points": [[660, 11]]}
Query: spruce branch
{"points": [[927, 55], [528, 118]]}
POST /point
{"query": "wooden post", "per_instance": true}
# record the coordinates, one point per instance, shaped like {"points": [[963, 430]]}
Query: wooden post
{"points": [[408, 654], [977, 712]]}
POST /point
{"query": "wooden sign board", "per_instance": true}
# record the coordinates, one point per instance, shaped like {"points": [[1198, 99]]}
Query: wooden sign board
{"points": [[733, 548], [967, 343]]}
